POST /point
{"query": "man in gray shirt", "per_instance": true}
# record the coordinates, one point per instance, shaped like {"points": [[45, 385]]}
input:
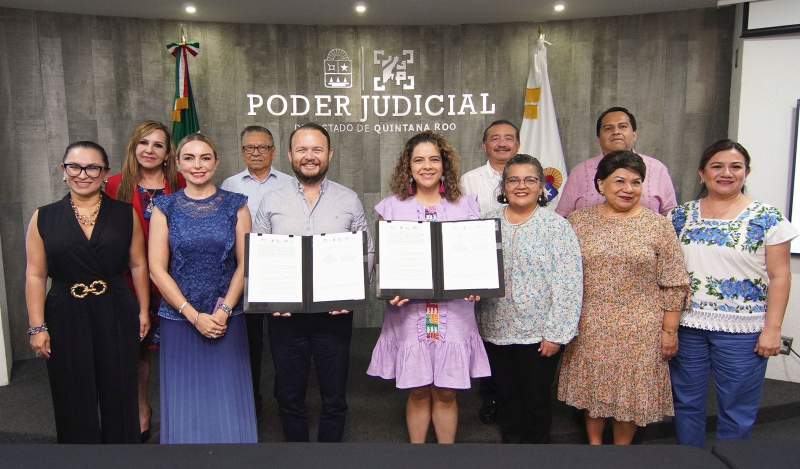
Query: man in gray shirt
{"points": [[258, 150], [306, 205]]}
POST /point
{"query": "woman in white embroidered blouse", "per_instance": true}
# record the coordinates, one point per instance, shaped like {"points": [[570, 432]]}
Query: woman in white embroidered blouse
{"points": [[737, 254]]}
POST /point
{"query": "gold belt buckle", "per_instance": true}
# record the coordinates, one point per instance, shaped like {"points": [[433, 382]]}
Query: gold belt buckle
{"points": [[81, 290]]}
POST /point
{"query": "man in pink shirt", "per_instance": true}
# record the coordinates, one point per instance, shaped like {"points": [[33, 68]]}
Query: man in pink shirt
{"points": [[616, 130]]}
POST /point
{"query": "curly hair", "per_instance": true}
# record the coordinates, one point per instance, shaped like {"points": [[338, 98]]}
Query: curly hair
{"points": [[401, 178], [130, 167]]}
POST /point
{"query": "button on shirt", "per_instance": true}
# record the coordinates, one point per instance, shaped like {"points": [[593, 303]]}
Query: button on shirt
{"points": [[484, 182], [245, 183], [337, 210], [658, 193]]}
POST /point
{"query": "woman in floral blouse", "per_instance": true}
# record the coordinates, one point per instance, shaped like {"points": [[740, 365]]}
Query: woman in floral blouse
{"points": [[737, 254], [524, 330]]}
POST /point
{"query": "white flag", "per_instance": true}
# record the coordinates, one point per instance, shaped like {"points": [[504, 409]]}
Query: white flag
{"points": [[539, 133]]}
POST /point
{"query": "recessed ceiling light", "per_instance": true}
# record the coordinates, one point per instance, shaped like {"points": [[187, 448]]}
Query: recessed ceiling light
{"points": [[559, 7], [360, 8], [191, 9]]}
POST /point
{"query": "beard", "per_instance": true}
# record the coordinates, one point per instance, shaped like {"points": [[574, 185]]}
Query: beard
{"points": [[306, 179]]}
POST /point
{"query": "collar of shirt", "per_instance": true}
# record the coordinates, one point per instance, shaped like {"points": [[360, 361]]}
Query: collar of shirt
{"points": [[322, 188], [247, 174], [493, 171]]}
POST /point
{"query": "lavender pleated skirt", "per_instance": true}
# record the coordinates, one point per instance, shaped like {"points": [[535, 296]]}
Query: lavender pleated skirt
{"points": [[206, 387]]}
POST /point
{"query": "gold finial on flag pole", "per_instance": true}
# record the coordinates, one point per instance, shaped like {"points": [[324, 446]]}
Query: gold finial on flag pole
{"points": [[182, 33]]}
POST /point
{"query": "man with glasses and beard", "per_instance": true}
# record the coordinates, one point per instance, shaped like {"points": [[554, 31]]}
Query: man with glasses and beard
{"points": [[258, 178], [311, 204]]}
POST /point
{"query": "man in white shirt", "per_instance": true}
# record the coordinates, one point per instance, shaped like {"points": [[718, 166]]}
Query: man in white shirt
{"points": [[501, 143], [258, 150]]}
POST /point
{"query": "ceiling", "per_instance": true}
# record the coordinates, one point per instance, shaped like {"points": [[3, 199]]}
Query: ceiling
{"points": [[380, 12]]}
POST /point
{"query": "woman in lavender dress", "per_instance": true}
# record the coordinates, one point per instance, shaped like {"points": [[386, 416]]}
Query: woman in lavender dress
{"points": [[432, 358]]}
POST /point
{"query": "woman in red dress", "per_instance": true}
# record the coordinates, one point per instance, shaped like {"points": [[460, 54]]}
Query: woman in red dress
{"points": [[148, 171]]}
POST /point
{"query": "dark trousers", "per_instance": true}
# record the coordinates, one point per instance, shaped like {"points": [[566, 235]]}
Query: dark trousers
{"points": [[487, 388], [255, 342], [524, 382], [294, 341], [92, 368]]}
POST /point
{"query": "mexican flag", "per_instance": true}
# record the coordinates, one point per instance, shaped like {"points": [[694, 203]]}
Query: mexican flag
{"points": [[184, 112]]}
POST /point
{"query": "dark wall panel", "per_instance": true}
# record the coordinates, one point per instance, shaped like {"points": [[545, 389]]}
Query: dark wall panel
{"points": [[71, 77]]}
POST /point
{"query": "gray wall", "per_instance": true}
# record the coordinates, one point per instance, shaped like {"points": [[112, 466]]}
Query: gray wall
{"points": [[69, 77]]}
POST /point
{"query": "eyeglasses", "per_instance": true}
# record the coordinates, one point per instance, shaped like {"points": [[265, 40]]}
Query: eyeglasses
{"points": [[528, 181], [252, 149], [92, 170]]}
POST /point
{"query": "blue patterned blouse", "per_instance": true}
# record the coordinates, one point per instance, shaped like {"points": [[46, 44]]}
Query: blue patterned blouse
{"points": [[544, 283], [202, 238], [727, 264]]}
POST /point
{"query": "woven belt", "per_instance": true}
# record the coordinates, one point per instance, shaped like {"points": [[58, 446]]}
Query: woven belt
{"points": [[81, 290]]}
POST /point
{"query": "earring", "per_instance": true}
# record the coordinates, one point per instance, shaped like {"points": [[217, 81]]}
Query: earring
{"points": [[105, 181], [412, 188], [441, 186], [64, 178]]}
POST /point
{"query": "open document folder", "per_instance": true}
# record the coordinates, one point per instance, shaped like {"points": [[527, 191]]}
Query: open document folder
{"points": [[305, 274], [440, 260]]}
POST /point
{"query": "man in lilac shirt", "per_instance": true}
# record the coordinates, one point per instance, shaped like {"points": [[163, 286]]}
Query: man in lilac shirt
{"points": [[616, 130]]}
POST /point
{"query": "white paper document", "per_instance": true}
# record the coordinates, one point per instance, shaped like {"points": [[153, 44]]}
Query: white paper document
{"points": [[405, 260], [338, 267], [275, 269], [469, 255]]}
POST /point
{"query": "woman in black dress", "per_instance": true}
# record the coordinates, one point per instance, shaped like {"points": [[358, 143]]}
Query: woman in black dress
{"points": [[88, 325]]}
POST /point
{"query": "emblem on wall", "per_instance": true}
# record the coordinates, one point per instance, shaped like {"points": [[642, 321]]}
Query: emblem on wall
{"points": [[338, 69], [394, 68]]}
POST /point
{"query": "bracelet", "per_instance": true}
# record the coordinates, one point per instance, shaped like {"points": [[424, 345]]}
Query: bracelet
{"points": [[36, 330], [226, 309], [669, 332], [180, 310]]}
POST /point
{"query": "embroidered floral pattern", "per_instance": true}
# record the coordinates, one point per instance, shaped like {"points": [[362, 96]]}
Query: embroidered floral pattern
{"points": [[731, 288], [765, 218], [726, 262]]}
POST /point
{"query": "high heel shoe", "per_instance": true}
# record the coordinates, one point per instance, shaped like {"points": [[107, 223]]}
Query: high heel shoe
{"points": [[145, 436]]}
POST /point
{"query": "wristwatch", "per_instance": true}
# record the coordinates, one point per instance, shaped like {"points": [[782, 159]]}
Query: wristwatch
{"points": [[227, 309]]}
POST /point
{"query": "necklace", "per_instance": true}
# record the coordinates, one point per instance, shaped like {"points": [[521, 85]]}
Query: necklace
{"points": [[151, 194], [87, 220]]}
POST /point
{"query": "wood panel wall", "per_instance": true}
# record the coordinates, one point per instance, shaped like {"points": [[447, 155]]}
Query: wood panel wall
{"points": [[71, 77]]}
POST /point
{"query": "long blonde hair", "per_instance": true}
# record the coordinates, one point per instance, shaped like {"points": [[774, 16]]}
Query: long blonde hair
{"points": [[130, 167]]}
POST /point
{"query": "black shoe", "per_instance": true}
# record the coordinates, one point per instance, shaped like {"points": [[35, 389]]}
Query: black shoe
{"points": [[144, 437], [488, 412]]}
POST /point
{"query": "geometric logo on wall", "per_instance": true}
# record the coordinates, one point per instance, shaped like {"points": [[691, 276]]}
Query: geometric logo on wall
{"points": [[338, 69]]}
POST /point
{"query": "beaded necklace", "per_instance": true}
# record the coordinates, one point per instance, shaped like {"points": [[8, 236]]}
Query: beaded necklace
{"points": [[87, 220]]}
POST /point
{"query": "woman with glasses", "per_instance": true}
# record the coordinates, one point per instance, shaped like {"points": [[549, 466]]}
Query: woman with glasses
{"points": [[88, 325], [197, 262], [430, 347], [148, 172], [525, 330], [634, 288]]}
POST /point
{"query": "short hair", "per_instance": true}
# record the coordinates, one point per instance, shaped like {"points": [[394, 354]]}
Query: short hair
{"points": [[311, 126], [256, 128], [716, 147], [197, 136], [522, 158], [615, 109], [500, 122], [620, 159], [90, 145]]}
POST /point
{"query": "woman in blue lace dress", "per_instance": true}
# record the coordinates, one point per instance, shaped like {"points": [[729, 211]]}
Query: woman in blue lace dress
{"points": [[197, 262]]}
